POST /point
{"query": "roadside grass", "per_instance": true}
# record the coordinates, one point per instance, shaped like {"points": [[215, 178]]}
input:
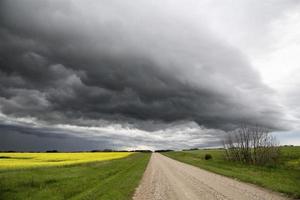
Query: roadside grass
{"points": [[284, 178], [106, 180], [29, 160]]}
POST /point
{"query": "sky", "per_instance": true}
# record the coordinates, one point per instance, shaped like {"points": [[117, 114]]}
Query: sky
{"points": [[146, 74]]}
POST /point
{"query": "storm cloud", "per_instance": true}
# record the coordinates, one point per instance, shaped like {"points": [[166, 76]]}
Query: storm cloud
{"points": [[144, 67]]}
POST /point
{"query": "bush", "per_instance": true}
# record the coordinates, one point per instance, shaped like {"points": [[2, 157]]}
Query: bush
{"points": [[252, 145], [52, 151], [207, 157]]}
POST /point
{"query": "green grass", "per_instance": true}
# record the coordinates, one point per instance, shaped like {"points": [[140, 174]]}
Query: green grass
{"points": [[285, 177], [112, 179]]}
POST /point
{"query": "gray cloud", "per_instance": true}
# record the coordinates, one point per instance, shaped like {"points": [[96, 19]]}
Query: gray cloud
{"points": [[138, 63], [22, 139], [33, 135]]}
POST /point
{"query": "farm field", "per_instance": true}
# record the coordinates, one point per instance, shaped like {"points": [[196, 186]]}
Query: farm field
{"points": [[93, 179], [285, 177], [28, 160]]}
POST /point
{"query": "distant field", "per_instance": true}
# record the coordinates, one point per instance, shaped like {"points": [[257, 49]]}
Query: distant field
{"points": [[27, 160], [283, 178], [86, 178]]}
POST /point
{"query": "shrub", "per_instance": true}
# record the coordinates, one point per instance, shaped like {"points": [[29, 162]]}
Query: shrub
{"points": [[52, 151], [207, 157], [252, 145]]}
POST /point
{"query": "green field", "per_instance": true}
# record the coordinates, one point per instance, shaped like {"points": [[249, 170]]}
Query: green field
{"points": [[285, 177], [114, 179]]}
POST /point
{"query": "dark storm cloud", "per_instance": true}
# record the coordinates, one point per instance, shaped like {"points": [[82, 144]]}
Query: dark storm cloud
{"points": [[57, 58], [17, 138], [25, 137], [138, 64]]}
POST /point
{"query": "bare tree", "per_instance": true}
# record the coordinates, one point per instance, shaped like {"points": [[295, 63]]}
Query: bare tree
{"points": [[251, 145]]}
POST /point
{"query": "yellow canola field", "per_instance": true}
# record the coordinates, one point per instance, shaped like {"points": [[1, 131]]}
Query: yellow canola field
{"points": [[28, 160]]}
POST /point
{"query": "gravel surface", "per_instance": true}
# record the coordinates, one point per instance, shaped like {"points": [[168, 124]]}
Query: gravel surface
{"points": [[168, 179]]}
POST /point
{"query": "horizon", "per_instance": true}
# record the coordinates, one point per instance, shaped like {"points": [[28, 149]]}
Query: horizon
{"points": [[124, 150]]}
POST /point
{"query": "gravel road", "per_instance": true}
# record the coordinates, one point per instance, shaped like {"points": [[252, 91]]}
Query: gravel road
{"points": [[168, 179]]}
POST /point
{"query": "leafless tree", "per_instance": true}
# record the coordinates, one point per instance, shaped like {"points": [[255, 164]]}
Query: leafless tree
{"points": [[251, 145]]}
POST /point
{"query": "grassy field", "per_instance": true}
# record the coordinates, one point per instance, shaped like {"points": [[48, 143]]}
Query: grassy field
{"points": [[283, 178], [28, 160], [113, 179]]}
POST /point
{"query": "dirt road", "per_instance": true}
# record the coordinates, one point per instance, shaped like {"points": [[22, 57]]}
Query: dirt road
{"points": [[168, 179]]}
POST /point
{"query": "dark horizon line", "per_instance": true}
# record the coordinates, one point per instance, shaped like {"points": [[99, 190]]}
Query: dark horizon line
{"points": [[112, 150]]}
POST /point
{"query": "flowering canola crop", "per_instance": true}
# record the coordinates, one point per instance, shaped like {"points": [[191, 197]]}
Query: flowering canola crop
{"points": [[28, 160]]}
